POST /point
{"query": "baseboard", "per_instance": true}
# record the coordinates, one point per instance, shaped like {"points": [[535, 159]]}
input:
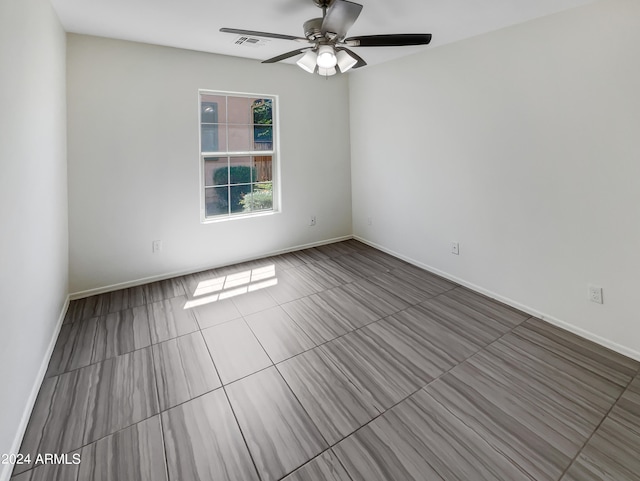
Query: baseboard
{"points": [[625, 351], [162, 277], [5, 473]]}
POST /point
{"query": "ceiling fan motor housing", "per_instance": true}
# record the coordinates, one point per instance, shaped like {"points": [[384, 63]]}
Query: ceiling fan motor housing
{"points": [[313, 29]]}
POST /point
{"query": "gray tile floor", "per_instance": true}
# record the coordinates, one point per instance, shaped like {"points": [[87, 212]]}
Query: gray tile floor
{"points": [[333, 363]]}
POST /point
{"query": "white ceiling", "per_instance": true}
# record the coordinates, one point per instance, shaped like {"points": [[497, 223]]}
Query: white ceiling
{"points": [[195, 24]]}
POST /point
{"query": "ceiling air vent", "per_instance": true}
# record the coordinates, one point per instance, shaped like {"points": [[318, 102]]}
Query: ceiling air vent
{"points": [[250, 41]]}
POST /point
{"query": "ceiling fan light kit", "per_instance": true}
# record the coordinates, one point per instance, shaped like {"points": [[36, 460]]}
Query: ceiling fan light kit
{"points": [[327, 72], [308, 61], [345, 61], [327, 35], [326, 57], [326, 60]]}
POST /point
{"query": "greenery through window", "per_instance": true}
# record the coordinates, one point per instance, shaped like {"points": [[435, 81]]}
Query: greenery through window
{"points": [[237, 151]]}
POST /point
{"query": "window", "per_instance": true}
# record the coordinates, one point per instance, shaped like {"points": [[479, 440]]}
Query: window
{"points": [[237, 154]]}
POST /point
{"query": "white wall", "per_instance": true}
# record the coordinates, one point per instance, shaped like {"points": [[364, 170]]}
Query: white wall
{"points": [[524, 146], [33, 204], [134, 160]]}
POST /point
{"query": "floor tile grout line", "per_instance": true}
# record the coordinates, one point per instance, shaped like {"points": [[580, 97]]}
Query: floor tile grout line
{"points": [[120, 355], [105, 310], [93, 348], [148, 299], [235, 417], [572, 361], [145, 293], [478, 352], [261, 345], [493, 448], [318, 345], [244, 438], [309, 461], [243, 317], [146, 305], [331, 446], [49, 413], [326, 341], [604, 417], [274, 365], [159, 414], [94, 388], [595, 430], [341, 463], [84, 445], [359, 277], [356, 329], [303, 408], [212, 361], [148, 319], [164, 446], [95, 337]]}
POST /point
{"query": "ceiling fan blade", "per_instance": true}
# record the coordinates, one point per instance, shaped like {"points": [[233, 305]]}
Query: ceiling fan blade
{"points": [[397, 40], [287, 55], [341, 15], [361, 62], [253, 33]]}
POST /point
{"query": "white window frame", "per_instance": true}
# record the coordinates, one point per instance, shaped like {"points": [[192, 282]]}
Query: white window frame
{"points": [[274, 153]]}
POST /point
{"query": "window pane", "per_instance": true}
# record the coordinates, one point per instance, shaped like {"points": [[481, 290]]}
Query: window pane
{"points": [[262, 167], [216, 201], [214, 138], [262, 111], [240, 138], [240, 110], [238, 193], [209, 112], [209, 138], [220, 103], [216, 171], [241, 172], [263, 137], [260, 198]]}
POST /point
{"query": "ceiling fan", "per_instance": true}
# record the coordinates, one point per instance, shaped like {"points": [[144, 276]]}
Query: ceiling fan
{"points": [[329, 52]]}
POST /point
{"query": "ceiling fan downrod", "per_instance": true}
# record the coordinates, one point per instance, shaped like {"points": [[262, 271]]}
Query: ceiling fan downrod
{"points": [[323, 4]]}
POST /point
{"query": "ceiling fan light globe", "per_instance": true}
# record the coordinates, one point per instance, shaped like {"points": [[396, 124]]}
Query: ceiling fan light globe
{"points": [[345, 61], [326, 57], [308, 61], [327, 72]]}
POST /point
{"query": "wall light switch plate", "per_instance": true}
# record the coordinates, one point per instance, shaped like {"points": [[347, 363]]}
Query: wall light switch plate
{"points": [[156, 246], [455, 248], [312, 220]]}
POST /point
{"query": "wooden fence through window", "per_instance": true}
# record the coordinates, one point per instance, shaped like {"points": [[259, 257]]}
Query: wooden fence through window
{"points": [[263, 163]]}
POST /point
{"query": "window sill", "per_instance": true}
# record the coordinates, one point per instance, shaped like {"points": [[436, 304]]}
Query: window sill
{"points": [[238, 217]]}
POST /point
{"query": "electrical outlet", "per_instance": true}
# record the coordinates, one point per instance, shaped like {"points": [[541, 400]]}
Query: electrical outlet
{"points": [[595, 294], [312, 220], [156, 246], [455, 248], [369, 221]]}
